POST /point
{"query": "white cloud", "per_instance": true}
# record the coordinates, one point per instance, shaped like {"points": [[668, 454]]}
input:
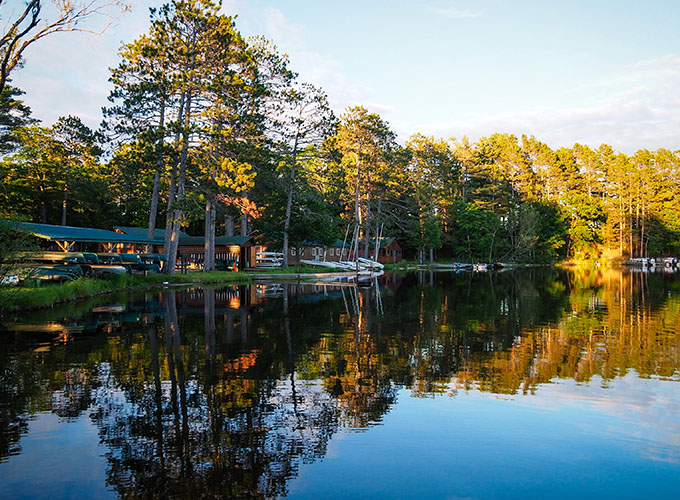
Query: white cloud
{"points": [[636, 107], [277, 27]]}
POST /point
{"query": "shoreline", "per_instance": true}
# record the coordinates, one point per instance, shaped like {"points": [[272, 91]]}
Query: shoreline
{"points": [[26, 299], [44, 297]]}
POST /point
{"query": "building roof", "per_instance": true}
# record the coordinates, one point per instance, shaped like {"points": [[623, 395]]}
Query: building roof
{"points": [[158, 234], [386, 241], [339, 243], [77, 234], [219, 240], [184, 238]]}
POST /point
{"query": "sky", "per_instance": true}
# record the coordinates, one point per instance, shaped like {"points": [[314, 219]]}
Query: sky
{"points": [[592, 71]]}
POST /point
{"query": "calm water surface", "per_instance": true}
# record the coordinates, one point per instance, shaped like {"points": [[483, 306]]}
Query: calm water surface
{"points": [[528, 384]]}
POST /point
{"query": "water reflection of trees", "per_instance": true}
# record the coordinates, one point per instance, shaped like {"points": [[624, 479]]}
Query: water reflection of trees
{"points": [[503, 334], [211, 421], [214, 392], [532, 328]]}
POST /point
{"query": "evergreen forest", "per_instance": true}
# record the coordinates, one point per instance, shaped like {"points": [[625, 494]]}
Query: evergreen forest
{"points": [[209, 132]]}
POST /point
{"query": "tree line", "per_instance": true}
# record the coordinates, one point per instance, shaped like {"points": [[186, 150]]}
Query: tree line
{"points": [[212, 132]]}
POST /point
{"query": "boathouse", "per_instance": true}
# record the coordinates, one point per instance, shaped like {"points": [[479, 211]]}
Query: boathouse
{"points": [[229, 250], [82, 239]]}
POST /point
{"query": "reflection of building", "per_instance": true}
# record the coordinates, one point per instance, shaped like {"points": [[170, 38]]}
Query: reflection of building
{"points": [[391, 281], [227, 299]]}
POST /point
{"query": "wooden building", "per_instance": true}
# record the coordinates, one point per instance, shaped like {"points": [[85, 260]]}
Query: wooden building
{"points": [[390, 252], [309, 251], [229, 250]]}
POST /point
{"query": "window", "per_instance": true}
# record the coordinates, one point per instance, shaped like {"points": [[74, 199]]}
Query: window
{"points": [[314, 252], [343, 251], [292, 251], [332, 252]]}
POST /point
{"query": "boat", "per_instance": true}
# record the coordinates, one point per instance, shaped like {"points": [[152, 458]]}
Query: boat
{"points": [[269, 260], [326, 264], [48, 273], [371, 264]]}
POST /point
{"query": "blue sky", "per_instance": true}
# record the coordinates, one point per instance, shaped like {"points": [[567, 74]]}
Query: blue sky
{"points": [[565, 71]]}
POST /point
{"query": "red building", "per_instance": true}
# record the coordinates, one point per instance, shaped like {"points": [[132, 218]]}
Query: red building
{"points": [[390, 252]]}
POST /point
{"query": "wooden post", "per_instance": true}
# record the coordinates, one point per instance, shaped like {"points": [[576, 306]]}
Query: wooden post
{"points": [[66, 246]]}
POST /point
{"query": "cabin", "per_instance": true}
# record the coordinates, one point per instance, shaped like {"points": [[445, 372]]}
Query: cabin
{"points": [[390, 251], [229, 250], [310, 250], [338, 251]]}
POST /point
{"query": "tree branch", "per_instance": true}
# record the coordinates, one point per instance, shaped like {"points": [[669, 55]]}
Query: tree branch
{"points": [[28, 28]]}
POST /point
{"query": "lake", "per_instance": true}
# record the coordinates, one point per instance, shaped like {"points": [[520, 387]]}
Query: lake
{"points": [[534, 383]]}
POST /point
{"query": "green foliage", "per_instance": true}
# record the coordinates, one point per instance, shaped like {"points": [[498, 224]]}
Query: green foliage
{"points": [[13, 244], [473, 231], [204, 123], [55, 172], [14, 114], [585, 217]]}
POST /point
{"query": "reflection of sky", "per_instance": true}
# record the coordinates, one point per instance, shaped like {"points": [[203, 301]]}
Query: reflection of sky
{"points": [[59, 459], [648, 408], [568, 440]]}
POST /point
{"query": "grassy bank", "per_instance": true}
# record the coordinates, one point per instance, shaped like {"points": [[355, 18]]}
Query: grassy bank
{"points": [[16, 299]]}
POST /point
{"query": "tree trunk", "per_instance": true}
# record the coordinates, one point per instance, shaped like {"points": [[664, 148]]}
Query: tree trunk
{"points": [[153, 209], [367, 237], [173, 186], [229, 225], [367, 223], [244, 224], [178, 214], [213, 219], [357, 208], [621, 219], [643, 250], [377, 228], [209, 239], [64, 203], [289, 201]]}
